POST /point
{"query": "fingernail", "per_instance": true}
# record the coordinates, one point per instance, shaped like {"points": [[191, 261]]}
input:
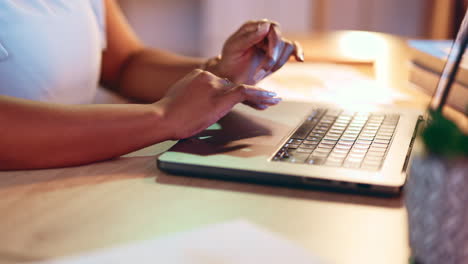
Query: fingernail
{"points": [[272, 101], [260, 75], [299, 51], [271, 94], [263, 28], [301, 56], [262, 106]]}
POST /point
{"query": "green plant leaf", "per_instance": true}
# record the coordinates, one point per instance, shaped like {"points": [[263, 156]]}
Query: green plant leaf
{"points": [[442, 137]]}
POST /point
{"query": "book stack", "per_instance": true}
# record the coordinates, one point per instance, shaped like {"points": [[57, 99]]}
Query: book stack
{"points": [[428, 59]]}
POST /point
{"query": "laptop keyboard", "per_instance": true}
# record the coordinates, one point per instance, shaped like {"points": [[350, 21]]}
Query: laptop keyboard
{"points": [[337, 138]]}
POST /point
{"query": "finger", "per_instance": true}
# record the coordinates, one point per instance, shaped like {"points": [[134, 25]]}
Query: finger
{"points": [[274, 51], [248, 93], [269, 102], [298, 52], [258, 96], [261, 105], [288, 49], [251, 26], [255, 92], [270, 21], [256, 106], [248, 36], [275, 43], [260, 74]]}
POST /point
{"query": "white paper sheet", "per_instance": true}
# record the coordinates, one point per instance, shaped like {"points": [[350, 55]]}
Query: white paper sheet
{"points": [[233, 242], [330, 83]]}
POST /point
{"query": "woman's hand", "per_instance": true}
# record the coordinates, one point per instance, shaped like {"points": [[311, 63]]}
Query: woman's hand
{"points": [[253, 52], [201, 98]]}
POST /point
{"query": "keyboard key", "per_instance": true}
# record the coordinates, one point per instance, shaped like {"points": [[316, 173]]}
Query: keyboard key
{"points": [[304, 150], [374, 149], [323, 153], [310, 144], [337, 134], [342, 122], [380, 137], [363, 141], [323, 147], [313, 138], [315, 160], [361, 146], [299, 158], [319, 135], [381, 141], [370, 130], [348, 138], [328, 141], [319, 130], [338, 155], [358, 150], [331, 138], [343, 147], [295, 141], [337, 130], [351, 133], [384, 134], [345, 143], [340, 151], [304, 130]]}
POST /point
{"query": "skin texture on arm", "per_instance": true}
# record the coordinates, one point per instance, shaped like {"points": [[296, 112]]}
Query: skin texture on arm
{"points": [[37, 135], [135, 71], [43, 135]]}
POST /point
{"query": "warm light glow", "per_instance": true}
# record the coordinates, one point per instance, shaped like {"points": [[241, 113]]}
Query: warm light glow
{"points": [[362, 46], [367, 46]]}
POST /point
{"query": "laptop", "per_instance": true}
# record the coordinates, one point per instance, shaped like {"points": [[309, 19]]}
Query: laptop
{"points": [[312, 144]]}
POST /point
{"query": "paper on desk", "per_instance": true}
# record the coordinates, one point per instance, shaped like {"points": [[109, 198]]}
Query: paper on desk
{"points": [[332, 83], [228, 243]]}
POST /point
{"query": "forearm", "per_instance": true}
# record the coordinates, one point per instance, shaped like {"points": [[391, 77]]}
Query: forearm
{"points": [[148, 74], [40, 135]]}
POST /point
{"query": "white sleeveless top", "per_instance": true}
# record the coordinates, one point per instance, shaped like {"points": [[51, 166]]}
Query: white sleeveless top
{"points": [[50, 50]]}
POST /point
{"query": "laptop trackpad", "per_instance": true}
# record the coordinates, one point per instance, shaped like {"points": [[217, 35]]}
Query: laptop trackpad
{"points": [[241, 133]]}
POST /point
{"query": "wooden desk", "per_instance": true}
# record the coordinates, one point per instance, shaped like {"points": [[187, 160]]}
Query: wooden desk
{"points": [[50, 213]]}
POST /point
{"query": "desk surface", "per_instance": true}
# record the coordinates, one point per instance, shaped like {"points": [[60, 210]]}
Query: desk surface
{"points": [[49, 213]]}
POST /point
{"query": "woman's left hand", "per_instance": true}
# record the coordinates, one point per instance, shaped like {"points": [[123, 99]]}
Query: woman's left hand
{"points": [[253, 52]]}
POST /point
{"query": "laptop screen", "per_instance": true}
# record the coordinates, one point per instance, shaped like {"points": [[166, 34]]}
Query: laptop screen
{"points": [[451, 67]]}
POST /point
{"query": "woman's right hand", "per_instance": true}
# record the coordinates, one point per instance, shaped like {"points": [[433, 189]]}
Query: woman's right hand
{"points": [[201, 99]]}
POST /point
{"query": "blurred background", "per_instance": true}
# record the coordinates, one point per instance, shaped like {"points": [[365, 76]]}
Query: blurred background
{"points": [[199, 27]]}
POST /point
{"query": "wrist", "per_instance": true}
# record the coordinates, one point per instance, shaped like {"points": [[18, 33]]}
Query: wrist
{"points": [[211, 64], [164, 123], [214, 66]]}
